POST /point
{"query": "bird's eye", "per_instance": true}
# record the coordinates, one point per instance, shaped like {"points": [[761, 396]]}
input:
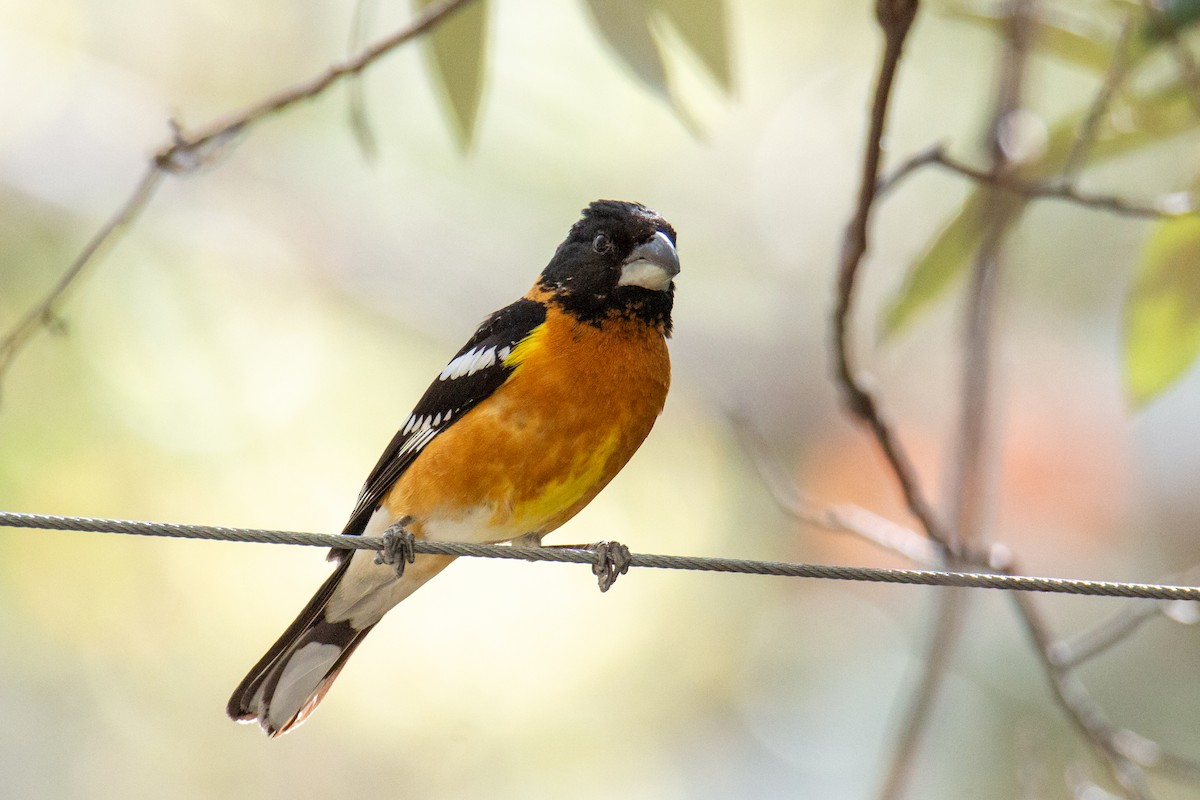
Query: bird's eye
{"points": [[602, 244]]}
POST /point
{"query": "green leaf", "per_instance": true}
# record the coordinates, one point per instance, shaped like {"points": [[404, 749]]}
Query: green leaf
{"points": [[625, 25], [457, 48], [1175, 17], [1162, 315], [1151, 118], [702, 24], [1092, 51], [935, 271]]}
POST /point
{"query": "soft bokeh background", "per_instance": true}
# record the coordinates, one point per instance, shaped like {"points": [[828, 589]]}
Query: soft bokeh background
{"points": [[242, 355]]}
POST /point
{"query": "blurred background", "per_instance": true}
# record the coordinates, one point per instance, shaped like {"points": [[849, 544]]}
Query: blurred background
{"points": [[241, 356]]}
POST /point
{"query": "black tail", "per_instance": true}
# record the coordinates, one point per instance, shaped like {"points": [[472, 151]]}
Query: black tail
{"points": [[289, 681]]}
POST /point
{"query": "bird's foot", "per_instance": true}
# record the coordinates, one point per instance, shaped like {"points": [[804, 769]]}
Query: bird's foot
{"points": [[612, 559], [609, 559], [398, 547]]}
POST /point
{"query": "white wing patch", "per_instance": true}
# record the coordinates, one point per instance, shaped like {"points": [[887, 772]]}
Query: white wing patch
{"points": [[419, 423], [418, 440], [420, 430], [470, 362]]}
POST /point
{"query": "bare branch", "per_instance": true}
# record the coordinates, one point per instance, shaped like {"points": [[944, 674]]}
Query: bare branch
{"points": [[186, 153], [1087, 715], [895, 18], [968, 489], [845, 518], [1172, 205], [1112, 744], [934, 154], [939, 652], [1069, 653], [1061, 191], [1066, 654], [188, 147], [1085, 137], [47, 310]]}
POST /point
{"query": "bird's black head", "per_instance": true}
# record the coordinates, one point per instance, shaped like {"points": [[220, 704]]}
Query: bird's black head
{"points": [[618, 259]]}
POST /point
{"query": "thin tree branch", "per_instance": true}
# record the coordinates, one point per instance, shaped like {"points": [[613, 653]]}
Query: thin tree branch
{"points": [[1067, 654], [1084, 712], [935, 666], [968, 487], [1110, 743], [1172, 205], [1070, 692], [843, 518], [1086, 645], [187, 152], [895, 18], [46, 311], [186, 147], [1085, 137]]}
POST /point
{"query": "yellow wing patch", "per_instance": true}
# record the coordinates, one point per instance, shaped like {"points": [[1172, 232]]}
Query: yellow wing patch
{"points": [[527, 347]]}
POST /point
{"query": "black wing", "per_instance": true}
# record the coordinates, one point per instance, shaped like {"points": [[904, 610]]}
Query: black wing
{"points": [[475, 372]]}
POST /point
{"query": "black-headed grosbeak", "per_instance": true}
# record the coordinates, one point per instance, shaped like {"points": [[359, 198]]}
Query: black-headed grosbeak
{"points": [[526, 424]]}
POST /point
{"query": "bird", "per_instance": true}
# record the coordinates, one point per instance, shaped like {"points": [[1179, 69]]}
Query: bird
{"points": [[529, 420]]}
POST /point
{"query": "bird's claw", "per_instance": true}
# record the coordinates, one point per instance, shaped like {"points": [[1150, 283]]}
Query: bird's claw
{"points": [[398, 548], [611, 559]]}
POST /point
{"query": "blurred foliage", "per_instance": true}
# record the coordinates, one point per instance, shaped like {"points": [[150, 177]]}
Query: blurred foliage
{"points": [[704, 28], [1090, 48], [458, 49], [625, 26], [1162, 327], [1136, 118], [458, 52], [1174, 17]]}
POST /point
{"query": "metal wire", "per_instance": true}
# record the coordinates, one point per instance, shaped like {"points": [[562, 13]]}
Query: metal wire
{"points": [[589, 555]]}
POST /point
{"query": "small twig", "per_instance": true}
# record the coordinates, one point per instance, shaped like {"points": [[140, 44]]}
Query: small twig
{"points": [[1086, 645], [1070, 653], [1085, 137], [934, 154], [1168, 206], [967, 486], [47, 310], [1087, 715], [186, 153], [842, 518], [235, 124]]}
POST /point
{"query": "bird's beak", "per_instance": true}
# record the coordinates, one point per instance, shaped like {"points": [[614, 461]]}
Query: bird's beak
{"points": [[651, 265]]}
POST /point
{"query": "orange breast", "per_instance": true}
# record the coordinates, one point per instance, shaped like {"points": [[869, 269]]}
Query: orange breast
{"points": [[579, 404]]}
